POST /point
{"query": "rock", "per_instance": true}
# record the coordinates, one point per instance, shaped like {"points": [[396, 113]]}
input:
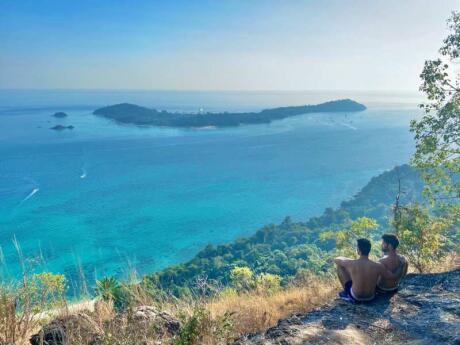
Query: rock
{"points": [[60, 114], [426, 310], [64, 330], [61, 127], [148, 316]]}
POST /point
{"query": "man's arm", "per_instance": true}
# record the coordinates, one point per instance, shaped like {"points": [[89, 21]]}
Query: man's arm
{"points": [[342, 261], [398, 271], [404, 265], [387, 274]]}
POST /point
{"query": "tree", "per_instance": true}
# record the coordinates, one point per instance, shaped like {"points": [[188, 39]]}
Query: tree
{"points": [[242, 278], [50, 289], [422, 237], [268, 283], [437, 133], [345, 240]]}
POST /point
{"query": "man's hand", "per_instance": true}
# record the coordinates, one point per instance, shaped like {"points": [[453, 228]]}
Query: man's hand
{"points": [[387, 274], [404, 265]]}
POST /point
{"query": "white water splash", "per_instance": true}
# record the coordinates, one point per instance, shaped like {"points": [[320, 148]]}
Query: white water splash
{"points": [[83, 173], [348, 126], [31, 194]]}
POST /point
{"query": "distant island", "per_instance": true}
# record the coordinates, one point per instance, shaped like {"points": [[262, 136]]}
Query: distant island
{"points": [[60, 114], [61, 127], [127, 113]]}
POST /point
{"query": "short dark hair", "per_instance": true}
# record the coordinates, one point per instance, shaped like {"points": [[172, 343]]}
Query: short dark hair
{"points": [[391, 239], [364, 246]]}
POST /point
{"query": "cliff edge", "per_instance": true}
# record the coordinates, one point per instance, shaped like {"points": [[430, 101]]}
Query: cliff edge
{"points": [[426, 310]]}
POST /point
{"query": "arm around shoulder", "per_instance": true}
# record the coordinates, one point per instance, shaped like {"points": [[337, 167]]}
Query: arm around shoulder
{"points": [[405, 266], [342, 261], [387, 274]]}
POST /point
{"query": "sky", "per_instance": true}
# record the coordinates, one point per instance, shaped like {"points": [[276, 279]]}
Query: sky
{"points": [[219, 45]]}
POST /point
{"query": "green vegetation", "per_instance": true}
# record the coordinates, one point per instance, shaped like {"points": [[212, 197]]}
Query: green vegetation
{"points": [[345, 240], [110, 290], [22, 302], [134, 114], [243, 279], [200, 324], [437, 134], [423, 237], [290, 247]]}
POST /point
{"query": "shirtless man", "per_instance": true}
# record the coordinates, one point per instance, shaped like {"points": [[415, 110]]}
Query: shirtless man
{"points": [[359, 277], [394, 262]]}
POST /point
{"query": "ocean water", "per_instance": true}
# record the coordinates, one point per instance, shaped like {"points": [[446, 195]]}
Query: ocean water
{"points": [[106, 197]]}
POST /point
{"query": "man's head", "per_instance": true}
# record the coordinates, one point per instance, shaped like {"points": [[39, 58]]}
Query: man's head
{"points": [[389, 242], [364, 246]]}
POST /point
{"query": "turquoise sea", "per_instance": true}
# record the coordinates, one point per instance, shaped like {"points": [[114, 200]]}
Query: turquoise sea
{"points": [[106, 197]]}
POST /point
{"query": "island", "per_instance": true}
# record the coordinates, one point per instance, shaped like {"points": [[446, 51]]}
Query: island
{"points": [[60, 114], [61, 127], [127, 113]]}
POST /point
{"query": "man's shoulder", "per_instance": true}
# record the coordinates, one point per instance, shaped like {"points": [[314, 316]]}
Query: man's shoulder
{"points": [[402, 260], [378, 265], [368, 263], [353, 263], [384, 259]]}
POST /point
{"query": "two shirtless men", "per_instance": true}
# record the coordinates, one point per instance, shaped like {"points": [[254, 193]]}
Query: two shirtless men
{"points": [[361, 278]]}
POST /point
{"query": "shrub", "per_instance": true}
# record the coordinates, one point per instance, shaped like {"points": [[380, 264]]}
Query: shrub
{"points": [[422, 237], [109, 289], [242, 278], [268, 283], [201, 328], [23, 305], [49, 289]]}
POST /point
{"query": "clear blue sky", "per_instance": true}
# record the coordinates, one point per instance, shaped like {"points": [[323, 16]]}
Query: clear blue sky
{"points": [[219, 45]]}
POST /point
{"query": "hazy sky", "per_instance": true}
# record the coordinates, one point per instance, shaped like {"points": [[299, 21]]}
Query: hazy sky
{"points": [[219, 45]]}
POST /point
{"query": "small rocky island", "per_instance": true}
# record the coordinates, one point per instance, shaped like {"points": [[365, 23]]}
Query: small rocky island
{"points": [[60, 114], [133, 114], [61, 127]]}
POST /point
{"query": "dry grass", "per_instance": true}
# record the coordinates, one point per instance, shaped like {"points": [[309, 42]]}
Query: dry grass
{"points": [[255, 311], [212, 321]]}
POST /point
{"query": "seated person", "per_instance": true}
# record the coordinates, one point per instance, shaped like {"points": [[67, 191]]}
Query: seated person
{"points": [[392, 261], [359, 277]]}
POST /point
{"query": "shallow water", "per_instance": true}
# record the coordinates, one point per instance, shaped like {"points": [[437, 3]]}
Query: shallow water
{"points": [[108, 197]]}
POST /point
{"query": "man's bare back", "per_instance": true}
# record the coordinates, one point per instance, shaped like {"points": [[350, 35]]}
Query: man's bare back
{"points": [[364, 275], [392, 261], [396, 264]]}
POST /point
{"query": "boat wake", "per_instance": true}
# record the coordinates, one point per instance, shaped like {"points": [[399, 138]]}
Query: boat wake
{"points": [[348, 126], [83, 173], [31, 194]]}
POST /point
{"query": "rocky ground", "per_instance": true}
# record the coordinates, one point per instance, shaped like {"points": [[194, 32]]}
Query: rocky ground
{"points": [[426, 310]]}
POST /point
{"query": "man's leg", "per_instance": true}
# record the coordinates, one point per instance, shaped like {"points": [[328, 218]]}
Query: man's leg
{"points": [[343, 275]]}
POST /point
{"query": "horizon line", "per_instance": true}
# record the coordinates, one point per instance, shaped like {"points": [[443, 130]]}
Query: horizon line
{"points": [[416, 91]]}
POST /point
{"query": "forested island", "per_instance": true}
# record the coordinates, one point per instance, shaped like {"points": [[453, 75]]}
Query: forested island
{"points": [[127, 113]]}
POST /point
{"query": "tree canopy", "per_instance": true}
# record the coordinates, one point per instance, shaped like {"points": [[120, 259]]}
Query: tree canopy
{"points": [[437, 133]]}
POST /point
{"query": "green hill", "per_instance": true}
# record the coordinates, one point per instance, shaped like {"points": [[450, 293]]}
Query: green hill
{"points": [[286, 248]]}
